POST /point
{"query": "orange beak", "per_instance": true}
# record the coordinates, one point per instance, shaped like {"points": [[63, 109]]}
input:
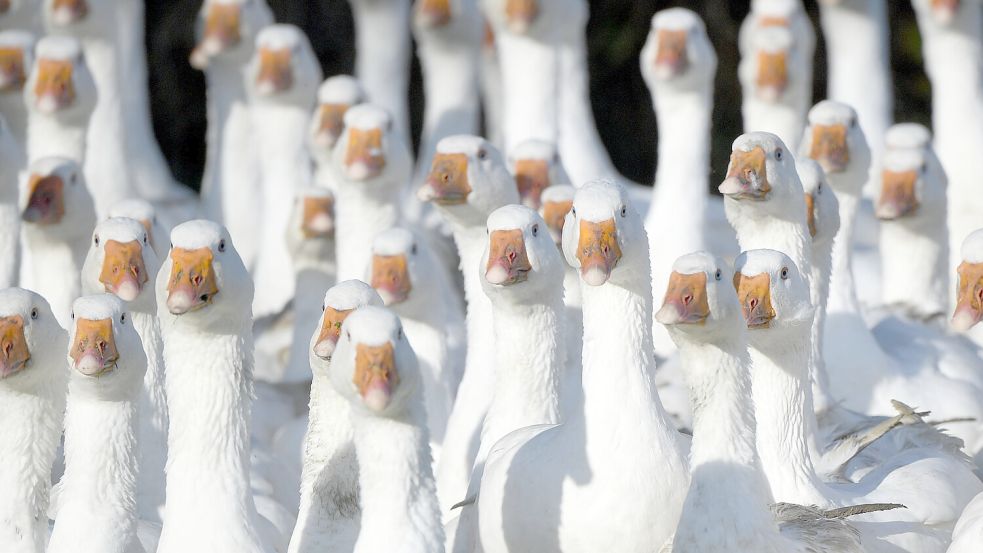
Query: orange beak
{"points": [[754, 294], [532, 176], [53, 88], [318, 219], [811, 214], [747, 178], [192, 284], [221, 32], [330, 123], [685, 301], [945, 10], [447, 183], [364, 159], [555, 214], [521, 14], [66, 12], [433, 13], [598, 251], [829, 147], [772, 75], [671, 60], [14, 353], [391, 278], [773, 21], [969, 299], [375, 374], [488, 40], [898, 195], [123, 272], [276, 74], [46, 202], [12, 74], [94, 349], [507, 260], [331, 322], [4, 6]]}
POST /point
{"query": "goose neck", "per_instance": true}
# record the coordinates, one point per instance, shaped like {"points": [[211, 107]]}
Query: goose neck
{"points": [[153, 420], [843, 292], [50, 136], [684, 148], [530, 71], [819, 292], [364, 211], [382, 38], [55, 266], [914, 266]]}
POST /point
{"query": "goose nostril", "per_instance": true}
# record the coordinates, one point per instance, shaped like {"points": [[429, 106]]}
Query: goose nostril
{"points": [[511, 257], [196, 280], [687, 299], [753, 303]]}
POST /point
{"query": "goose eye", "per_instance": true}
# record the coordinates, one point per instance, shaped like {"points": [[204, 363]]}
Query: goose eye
{"points": [[482, 154], [73, 315], [34, 313], [96, 239], [778, 154], [784, 273], [221, 245], [413, 249], [535, 230], [717, 275], [573, 211], [624, 211], [348, 335], [122, 318], [144, 238], [819, 189], [73, 179], [399, 334], [323, 307]]}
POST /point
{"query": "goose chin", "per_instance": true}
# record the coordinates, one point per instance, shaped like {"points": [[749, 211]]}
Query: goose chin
{"points": [[94, 365], [49, 104], [181, 302], [595, 276], [324, 349], [964, 319], [10, 369], [377, 397], [128, 290]]}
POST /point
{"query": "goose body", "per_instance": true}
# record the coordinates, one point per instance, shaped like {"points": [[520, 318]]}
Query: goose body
{"points": [[11, 163]]}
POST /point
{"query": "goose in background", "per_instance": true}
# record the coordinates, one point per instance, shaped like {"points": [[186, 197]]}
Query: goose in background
{"points": [[121, 261], [282, 78], [375, 371], [230, 186], [969, 299], [535, 165], [11, 163], [16, 59], [330, 513], [490, 80], [21, 14], [57, 216], [468, 180], [334, 97], [33, 384], [968, 532], [205, 295], [97, 495], [549, 485], [383, 48], [143, 212]]}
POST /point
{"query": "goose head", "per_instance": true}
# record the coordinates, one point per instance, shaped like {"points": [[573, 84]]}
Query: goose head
{"points": [[700, 301], [468, 180], [334, 97], [911, 175], [769, 68], [60, 84], [227, 29], [834, 138], [822, 207], [557, 200], [311, 227], [969, 298], [761, 179], [678, 54], [16, 58], [374, 367], [283, 69], [17, 13], [80, 18], [446, 21], [520, 263], [402, 269], [31, 341], [339, 302], [105, 354], [121, 262], [369, 151], [536, 165], [943, 13], [143, 212], [774, 298], [203, 280], [603, 236], [532, 18], [54, 199]]}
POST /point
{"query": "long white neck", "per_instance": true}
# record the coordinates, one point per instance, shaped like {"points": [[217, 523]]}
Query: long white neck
{"points": [[311, 284], [530, 73], [49, 136], [914, 265], [10, 223], [364, 210], [382, 34], [28, 442], [227, 159], [398, 496], [819, 291], [153, 419], [843, 291], [785, 118], [15, 113], [54, 268], [97, 501]]}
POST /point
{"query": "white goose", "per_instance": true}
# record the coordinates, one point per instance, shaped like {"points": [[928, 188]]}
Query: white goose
{"points": [[468, 180], [121, 261], [374, 370], [58, 217], [550, 485], [334, 97], [206, 294], [11, 163], [330, 515], [16, 59], [143, 212], [535, 164], [968, 531], [33, 383], [97, 495], [283, 76], [20, 14]]}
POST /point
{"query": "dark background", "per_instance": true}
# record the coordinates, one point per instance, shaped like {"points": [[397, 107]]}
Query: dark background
{"points": [[616, 33]]}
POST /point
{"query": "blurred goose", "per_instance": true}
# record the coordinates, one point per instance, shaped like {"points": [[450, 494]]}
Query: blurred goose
{"points": [[374, 370], [11, 163], [492, 102], [20, 14], [58, 217], [16, 59], [968, 531], [143, 212], [334, 97], [33, 384], [535, 164], [562, 484]]}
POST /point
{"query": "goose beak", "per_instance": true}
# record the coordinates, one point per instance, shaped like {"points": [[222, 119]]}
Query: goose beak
{"points": [[775, 20], [898, 195], [811, 214], [46, 200], [969, 300], [94, 349], [685, 301], [330, 123], [747, 178], [276, 74], [829, 147], [192, 284], [507, 260], [598, 251], [12, 74], [67, 12], [364, 159], [447, 183], [945, 10], [391, 278], [14, 353], [221, 32], [555, 214], [671, 60], [53, 88], [433, 13], [318, 217], [754, 293], [123, 272], [4, 6], [331, 322], [375, 374], [532, 176], [772, 75], [521, 14]]}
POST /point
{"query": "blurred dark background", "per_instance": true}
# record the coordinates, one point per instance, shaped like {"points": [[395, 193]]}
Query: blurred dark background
{"points": [[616, 33]]}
